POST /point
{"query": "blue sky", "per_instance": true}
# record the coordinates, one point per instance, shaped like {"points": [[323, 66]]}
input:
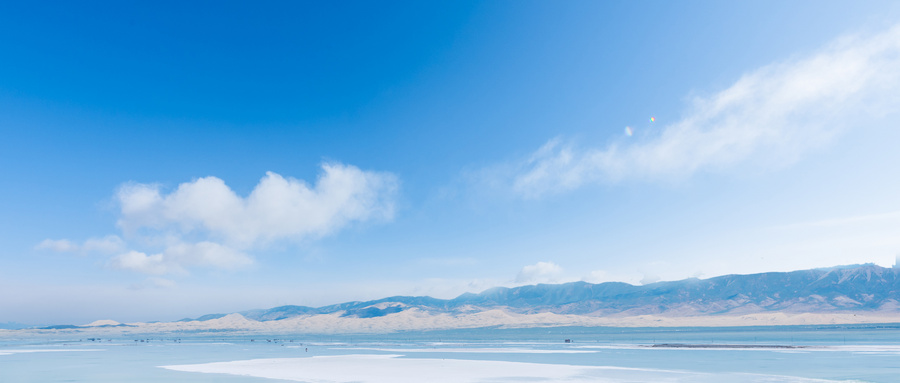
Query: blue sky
{"points": [[164, 160]]}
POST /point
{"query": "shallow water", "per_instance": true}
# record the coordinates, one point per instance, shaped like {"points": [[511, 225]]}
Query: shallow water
{"points": [[869, 353]]}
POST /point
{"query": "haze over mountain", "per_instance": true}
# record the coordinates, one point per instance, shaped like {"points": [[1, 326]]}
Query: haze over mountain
{"points": [[853, 294], [865, 287]]}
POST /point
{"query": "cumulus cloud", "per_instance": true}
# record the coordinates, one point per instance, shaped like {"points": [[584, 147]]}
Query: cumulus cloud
{"points": [[541, 272], [776, 113], [108, 245], [278, 208], [204, 223]]}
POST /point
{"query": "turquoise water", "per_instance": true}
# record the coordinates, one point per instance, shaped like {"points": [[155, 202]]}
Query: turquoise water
{"points": [[869, 353]]}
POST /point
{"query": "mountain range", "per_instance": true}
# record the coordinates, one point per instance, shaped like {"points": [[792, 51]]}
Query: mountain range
{"points": [[857, 288]]}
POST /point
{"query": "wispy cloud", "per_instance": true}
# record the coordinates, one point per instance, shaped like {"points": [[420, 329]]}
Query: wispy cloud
{"points": [[204, 223], [60, 245], [890, 217], [175, 258], [773, 114], [106, 245], [143, 263], [541, 272]]}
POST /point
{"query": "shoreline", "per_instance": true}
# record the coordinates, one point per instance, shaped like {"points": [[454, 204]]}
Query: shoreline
{"points": [[417, 320]]}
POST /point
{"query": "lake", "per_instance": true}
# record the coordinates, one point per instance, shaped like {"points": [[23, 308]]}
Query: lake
{"points": [[867, 353]]}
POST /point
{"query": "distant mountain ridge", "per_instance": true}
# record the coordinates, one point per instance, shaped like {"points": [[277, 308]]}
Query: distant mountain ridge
{"points": [[866, 287]]}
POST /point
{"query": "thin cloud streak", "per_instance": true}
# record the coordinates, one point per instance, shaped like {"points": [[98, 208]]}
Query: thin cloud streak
{"points": [[175, 258], [772, 115], [893, 216], [106, 245]]}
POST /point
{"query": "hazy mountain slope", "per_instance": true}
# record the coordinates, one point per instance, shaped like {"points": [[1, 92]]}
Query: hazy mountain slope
{"points": [[860, 287]]}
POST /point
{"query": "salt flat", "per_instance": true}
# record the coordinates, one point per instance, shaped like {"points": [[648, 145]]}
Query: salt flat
{"points": [[418, 320], [398, 369]]}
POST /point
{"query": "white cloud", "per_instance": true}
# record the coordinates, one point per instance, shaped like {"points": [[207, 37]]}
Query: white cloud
{"points": [[775, 113], [60, 245], [207, 254], [204, 223], [143, 263], [227, 225], [107, 245], [178, 256], [650, 278], [278, 208], [541, 272]]}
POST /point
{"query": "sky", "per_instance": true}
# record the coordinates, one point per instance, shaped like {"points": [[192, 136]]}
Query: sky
{"points": [[162, 160]]}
